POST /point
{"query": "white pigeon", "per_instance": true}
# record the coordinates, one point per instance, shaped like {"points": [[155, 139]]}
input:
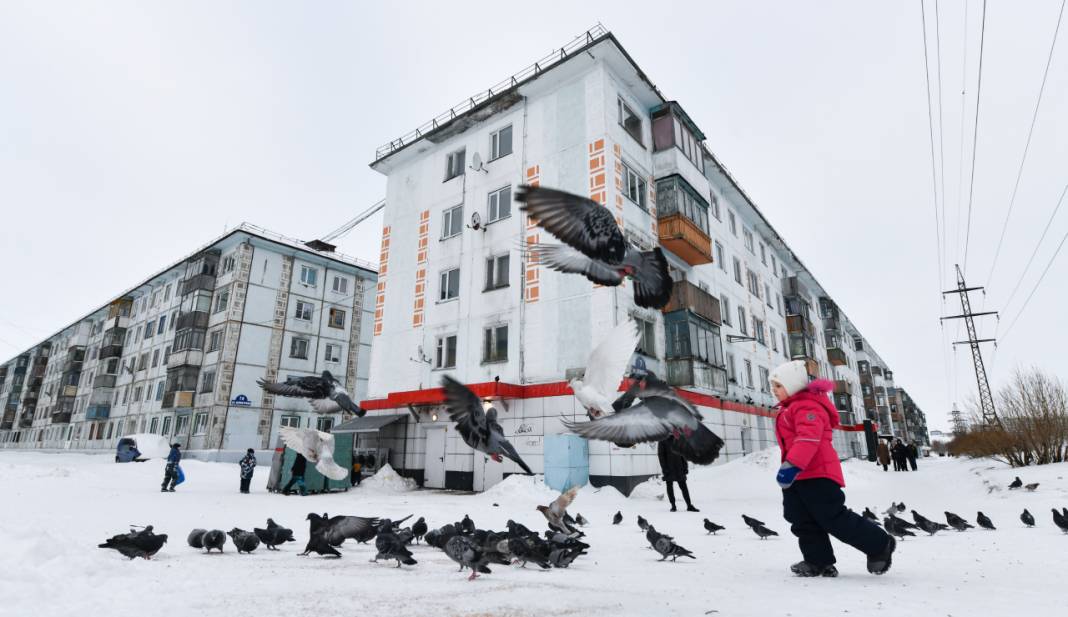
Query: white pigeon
{"points": [[608, 362], [317, 447]]}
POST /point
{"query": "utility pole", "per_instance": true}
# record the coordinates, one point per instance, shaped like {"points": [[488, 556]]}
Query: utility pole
{"points": [[986, 399], [959, 425]]}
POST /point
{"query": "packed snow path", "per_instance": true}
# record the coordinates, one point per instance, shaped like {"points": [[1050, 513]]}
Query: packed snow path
{"points": [[58, 507]]}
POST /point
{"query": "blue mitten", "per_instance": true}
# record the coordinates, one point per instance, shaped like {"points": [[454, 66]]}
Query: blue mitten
{"points": [[787, 474]]}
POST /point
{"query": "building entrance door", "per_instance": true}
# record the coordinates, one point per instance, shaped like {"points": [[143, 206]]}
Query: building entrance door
{"points": [[434, 467]]}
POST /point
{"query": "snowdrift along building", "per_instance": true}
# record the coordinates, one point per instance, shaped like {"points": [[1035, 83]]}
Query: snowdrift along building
{"points": [[457, 295]]}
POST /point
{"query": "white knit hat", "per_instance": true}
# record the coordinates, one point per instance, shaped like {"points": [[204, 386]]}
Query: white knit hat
{"points": [[792, 375]]}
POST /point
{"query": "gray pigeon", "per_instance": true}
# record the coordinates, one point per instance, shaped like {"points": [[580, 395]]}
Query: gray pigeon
{"points": [[1060, 520], [926, 524], [273, 535], [902, 522], [763, 532], [642, 523], [1031, 487], [594, 245], [214, 539], [391, 546], [325, 394], [144, 543], [667, 548], [467, 526], [582, 522], [868, 514], [750, 521], [712, 528], [196, 538], [419, 529], [618, 518], [561, 557], [555, 512], [1017, 483], [894, 527], [464, 551], [1027, 518], [984, 521], [244, 541], [478, 427], [957, 522]]}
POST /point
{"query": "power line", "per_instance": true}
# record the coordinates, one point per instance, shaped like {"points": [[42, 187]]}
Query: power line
{"points": [[1037, 285], [930, 133], [960, 160], [941, 130], [1027, 145], [975, 137]]}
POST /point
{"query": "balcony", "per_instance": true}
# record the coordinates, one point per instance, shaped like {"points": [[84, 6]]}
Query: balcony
{"points": [[181, 398], [688, 372], [843, 402], [98, 412], [836, 357], [200, 281], [192, 319], [800, 323], [687, 296], [104, 381], [682, 237], [69, 391], [61, 417], [186, 357], [794, 288], [26, 420], [111, 351], [842, 386]]}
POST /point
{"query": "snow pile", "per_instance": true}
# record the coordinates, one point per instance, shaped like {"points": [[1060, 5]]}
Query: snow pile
{"points": [[150, 445], [519, 488], [387, 480], [653, 488]]}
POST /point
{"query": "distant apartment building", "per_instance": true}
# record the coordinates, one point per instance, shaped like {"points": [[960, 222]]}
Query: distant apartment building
{"points": [[179, 354]]}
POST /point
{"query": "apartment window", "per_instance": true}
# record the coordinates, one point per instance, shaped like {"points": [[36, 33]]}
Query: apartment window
{"points": [[754, 283], [497, 272], [763, 254], [137, 394], [341, 285], [166, 354], [153, 425], [309, 276], [159, 392], [324, 424], [304, 310], [167, 293], [337, 318], [634, 186], [774, 339], [778, 304], [148, 396], [228, 264], [215, 339], [166, 426], [725, 306], [785, 351], [720, 259], [782, 269], [450, 285], [452, 222], [758, 331], [142, 361], [742, 325], [446, 352], [495, 343], [174, 318], [162, 324], [150, 329], [454, 164], [748, 236], [630, 121], [748, 373], [737, 271], [500, 204], [501, 143], [200, 424], [155, 358], [732, 223], [222, 300], [767, 295], [774, 266], [674, 195], [298, 348], [333, 353], [732, 370], [646, 336], [714, 207], [181, 425], [207, 382], [293, 421], [765, 386]]}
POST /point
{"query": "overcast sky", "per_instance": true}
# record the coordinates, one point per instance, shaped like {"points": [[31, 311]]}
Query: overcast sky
{"points": [[130, 132]]}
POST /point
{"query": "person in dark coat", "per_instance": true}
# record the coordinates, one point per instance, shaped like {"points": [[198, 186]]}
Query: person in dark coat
{"points": [[882, 454], [170, 472], [674, 468], [911, 453], [296, 473], [248, 467], [898, 453]]}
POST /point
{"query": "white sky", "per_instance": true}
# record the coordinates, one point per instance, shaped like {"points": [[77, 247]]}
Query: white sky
{"points": [[130, 135]]}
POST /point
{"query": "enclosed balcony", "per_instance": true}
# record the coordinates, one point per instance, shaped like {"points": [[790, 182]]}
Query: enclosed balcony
{"points": [[841, 386], [696, 374], [800, 323], [836, 356], [694, 355], [26, 419], [200, 281], [178, 399], [61, 417], [192, 319], [687, 296], [99, 411], [843, 402], [104, 381], [682, 220]]}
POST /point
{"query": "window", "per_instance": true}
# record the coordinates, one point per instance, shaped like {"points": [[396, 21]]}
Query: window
{"points": [[150, 328], [496, 272], [774, 266], [737, 271], [754, 282], [166, 426], [646, 336], [634, 186], [308, 276], [501, 143], [333, 353], [155, 358], [732, 370], [630, 121], [153, 425], [222, 300], [767, 295], [174, 318], [293, 421], [450, 285], [495, 344], [228, 264], [758, 331], [725, 306], [181, 425], [304, 310], [207, 381], [732, 223], [162, 324], [720, 259], [748, 237], [765, 386], [446, 352], [785, 351], [298, 348], [500, 204], [774, 339], [167, 293], [714, 207], [215, 339], [675, 196], [159, 391], [324, 424], [142, 361], [200, 424], [137, 394], [148, 397], [763, 254], [337, 318], [341, 285], [778, 304], [452, 222], [166, 354], [454, 164], [742, 325], [748, 374]]}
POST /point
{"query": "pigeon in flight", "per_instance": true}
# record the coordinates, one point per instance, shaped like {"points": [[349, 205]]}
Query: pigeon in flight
{"points": [[478, 426], [868, 514], [1059, 519], [144, 543], [984, 521], [1031, 487], [763, 531], [957, 522], [594, 245], [325, 394], [894, 527], [661, 414], [618, 518], [1027, 518], [1017, 483], [555, 512], [317, 447], [712, 528], [244, 541], [752, 522], [598, 388]]}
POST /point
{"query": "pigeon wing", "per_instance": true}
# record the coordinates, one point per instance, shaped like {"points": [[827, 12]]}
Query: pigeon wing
{"points": [[326, 464], [288, 388], [636, 424], [658, 388], [465, 409], [563, 258], [324, 405], [702, 446], [577, 221], [559, 506], [302, 440], [652, 281], [609, 360]]}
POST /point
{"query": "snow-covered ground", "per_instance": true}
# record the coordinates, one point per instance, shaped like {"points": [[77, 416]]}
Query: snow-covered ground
{"points": [[57, 507]]}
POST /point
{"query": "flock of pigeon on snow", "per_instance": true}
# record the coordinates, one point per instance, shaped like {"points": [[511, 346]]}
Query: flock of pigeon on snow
{"points": [[649, 410]]}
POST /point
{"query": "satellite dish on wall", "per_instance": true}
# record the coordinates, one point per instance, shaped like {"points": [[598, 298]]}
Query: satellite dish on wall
{"points": [[476, 163], [476, 221]]}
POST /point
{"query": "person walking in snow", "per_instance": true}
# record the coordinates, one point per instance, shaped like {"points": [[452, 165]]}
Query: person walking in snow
{"points": [[911, 453], [882, 454], [811, 478], [898, 453], [170, 472], [357, 470], [248, 467], [674, 468], [296, 473]]}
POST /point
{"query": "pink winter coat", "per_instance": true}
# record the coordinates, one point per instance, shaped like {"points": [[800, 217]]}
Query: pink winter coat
{"points": [[803, 427]]}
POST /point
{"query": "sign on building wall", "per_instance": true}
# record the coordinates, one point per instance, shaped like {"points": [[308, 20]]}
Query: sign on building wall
{"points": [[240, 401]]}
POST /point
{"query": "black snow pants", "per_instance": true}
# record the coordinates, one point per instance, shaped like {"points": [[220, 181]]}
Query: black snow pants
{"points": [[816, 510], [170, 476], [671, 492]]}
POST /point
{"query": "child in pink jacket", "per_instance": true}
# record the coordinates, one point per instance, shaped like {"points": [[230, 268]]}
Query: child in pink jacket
{"points": [[811, 478]]}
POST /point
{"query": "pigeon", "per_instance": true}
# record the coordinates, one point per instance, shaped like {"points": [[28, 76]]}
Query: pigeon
{"points": [[530, 549], [1027, 518], [337, 529], [618, 518], [594, 245], [196, 538], [478, 426], [902, 522], [554, 512], [894, 508], [597, 390], [957, 522], [317, 543], [926, 524], [752, 522], [1059, 519], [561, 557], [868, 514], [661, 414], [438, 537], [419, 529], [570, 520], [391, 546], [518, 529], [667, 548], [273, 535], [763, 531], [894, 527], [582, 522], [466, 526], [214, 539], [1017, 483], [712, 528], [144, 543], [1031, 487], [317, 447], [652, 535], [325, 394], [464, 551], [244, 541], [984, 521], [642, 523]]}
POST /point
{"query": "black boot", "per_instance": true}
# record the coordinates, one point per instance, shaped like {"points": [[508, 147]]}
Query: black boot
{"points": [[673, 508], [806, 569], [690, 508], [880, 564]]}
